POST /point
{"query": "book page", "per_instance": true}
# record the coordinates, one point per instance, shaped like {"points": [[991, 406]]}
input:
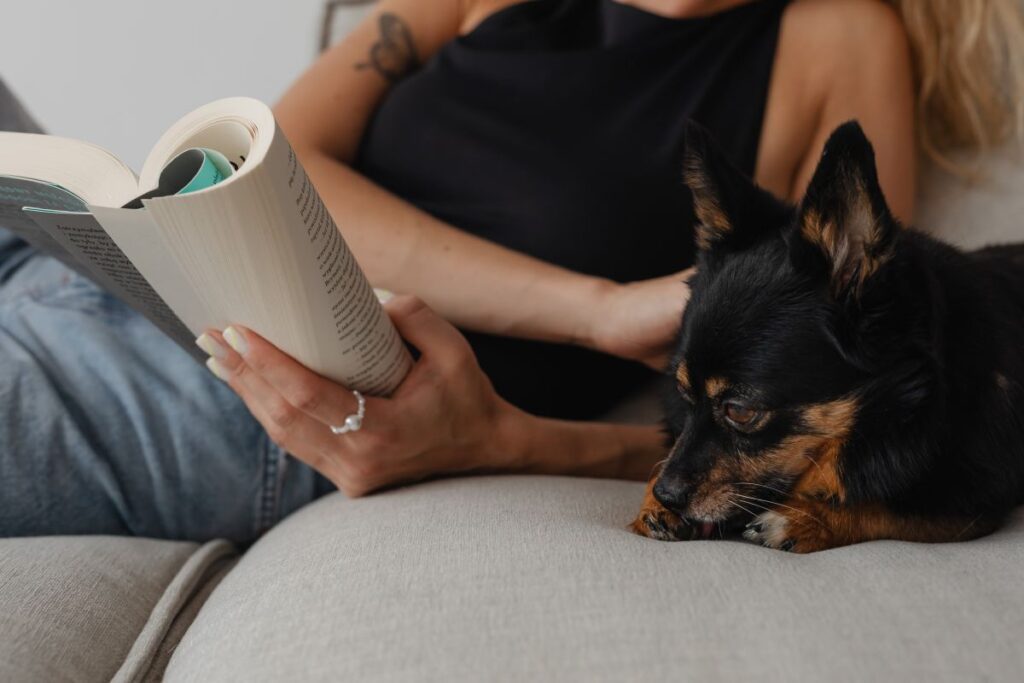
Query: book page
{"points": [[136, 235], [361, 327], [83, 238], [82, 169], [260, 250], [56, 222], [16, 193]]}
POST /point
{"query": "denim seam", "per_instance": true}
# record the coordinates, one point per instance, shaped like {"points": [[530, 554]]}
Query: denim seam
{"points": [[269, 495]]}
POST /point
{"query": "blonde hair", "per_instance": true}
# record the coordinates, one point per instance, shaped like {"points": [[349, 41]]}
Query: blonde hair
{"points": [[969, 62]]}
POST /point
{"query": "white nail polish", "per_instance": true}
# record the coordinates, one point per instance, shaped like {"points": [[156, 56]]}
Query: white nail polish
{"points": [[211, 346], [222, 373], [236, 341], [384, 295]]}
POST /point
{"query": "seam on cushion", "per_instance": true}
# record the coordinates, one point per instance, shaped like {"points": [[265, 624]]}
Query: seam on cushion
{"points": [[180, 625], [189, 580]]}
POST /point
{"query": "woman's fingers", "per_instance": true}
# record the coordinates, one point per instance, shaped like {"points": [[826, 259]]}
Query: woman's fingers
{"points": [[287, 426], [442, 420], [305, 390], [427, 331], [350, 461]]}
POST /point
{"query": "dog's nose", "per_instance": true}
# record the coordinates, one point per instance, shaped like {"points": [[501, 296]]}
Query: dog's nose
{"points": [[673, 494]]}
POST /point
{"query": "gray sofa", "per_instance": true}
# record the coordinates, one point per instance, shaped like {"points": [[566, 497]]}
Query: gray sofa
{"points": [[525, 578]]}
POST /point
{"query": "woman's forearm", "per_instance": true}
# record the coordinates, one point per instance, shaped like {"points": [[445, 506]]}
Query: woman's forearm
{"points": [[537, 445], [472, 282]]}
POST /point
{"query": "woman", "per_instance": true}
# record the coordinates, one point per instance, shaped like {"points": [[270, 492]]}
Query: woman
{"points": [[529, 151]]}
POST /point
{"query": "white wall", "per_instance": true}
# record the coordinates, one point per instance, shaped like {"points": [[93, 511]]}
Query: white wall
{"points": [[118, 72]]}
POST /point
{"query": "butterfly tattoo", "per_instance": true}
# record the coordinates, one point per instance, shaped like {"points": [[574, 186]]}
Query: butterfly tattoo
{"points": [[393, 56]]}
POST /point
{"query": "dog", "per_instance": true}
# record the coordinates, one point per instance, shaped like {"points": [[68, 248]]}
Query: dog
{"points": [[837, 378]]}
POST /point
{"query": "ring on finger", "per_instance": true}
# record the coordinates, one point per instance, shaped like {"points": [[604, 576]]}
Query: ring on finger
{"points": [[353, 422]]}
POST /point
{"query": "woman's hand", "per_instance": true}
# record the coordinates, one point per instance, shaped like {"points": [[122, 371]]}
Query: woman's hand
{"points": [[640, 320], [444, 418]]}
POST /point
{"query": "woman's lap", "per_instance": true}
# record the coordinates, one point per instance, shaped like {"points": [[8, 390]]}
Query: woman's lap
{"points": [[109, 428]]}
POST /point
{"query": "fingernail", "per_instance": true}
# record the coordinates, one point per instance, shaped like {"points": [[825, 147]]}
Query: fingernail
{"points": [[383, 295], [236, 341], [217, 369], [211, 346]]}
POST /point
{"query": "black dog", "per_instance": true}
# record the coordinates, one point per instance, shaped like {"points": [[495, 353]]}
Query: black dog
{"points": [[838, 378]]}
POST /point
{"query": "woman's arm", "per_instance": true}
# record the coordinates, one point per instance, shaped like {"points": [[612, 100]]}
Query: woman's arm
{"points": [[585, 449], [840, 60], [445, 418], [403, 249]]}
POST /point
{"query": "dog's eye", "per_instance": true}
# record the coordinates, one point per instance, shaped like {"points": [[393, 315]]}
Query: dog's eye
{"points": [[740, 415]]}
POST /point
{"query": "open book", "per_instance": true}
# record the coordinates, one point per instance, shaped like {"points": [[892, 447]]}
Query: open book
{"points": [[222, 226]]}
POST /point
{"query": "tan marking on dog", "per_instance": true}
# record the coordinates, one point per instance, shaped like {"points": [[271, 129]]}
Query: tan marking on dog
{"points": [[683, 375], [832, 423], [815, 230], [712, 496], [653, 517], [815, 456], [715, 386], [851, 249], [807, 526], [811, 460], [832, 418], [712, 222]]}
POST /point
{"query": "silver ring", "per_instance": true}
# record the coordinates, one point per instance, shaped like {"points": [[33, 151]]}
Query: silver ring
{"points": [[354, 422]]}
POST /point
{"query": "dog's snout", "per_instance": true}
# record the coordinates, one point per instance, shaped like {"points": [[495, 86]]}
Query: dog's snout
{"points": [[672, 493]]}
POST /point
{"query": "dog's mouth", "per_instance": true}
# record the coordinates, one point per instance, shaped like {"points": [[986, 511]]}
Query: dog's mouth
{"points": [[726, 528]]}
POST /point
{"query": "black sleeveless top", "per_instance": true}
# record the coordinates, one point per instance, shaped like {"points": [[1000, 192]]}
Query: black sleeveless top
{"points": [[555, 129]]}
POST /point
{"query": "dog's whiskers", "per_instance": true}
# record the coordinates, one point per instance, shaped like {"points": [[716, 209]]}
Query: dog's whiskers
{"points": [[967, 528], [736, 503], [752, 499], [764, 486], [656, 466], [814, 462]]}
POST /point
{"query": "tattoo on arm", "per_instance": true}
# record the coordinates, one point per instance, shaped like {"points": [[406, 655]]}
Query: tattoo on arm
{"points": [[393, 56]]}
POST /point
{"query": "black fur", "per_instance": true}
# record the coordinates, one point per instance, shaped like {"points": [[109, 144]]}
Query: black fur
{"points": [[928, 340]]}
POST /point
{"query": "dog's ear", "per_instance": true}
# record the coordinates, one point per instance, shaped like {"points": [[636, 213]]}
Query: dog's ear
{"points": [[730, 210], [843, 216]]}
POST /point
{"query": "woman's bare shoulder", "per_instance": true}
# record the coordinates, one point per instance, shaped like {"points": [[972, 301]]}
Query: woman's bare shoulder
{"points": [[833, 32], [839, 60]]}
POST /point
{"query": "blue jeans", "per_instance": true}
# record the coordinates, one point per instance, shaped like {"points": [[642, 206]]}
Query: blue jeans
{"points": [[108, 427]]}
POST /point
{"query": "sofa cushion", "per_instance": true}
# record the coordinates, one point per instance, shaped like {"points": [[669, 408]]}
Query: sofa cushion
{"points": [[534, 578], [988, 210], [83, 608]]}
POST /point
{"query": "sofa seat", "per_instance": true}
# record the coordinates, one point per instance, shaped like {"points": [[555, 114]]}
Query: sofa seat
{"points": [[99, 608], [537, 578]]}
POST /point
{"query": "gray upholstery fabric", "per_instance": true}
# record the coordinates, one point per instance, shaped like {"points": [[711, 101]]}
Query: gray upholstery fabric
{"points": [[173, 614], [530, 578], [970, 215], [71, 607]]}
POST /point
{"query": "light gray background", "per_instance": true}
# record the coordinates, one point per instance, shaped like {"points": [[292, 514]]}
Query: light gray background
{"points": [[118, 72]]}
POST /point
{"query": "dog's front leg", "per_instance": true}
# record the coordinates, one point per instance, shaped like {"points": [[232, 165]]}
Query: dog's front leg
{"points": [[806, 525]]}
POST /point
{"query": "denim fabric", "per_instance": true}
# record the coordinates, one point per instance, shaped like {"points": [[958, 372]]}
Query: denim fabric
{"points": [[108, 427]]}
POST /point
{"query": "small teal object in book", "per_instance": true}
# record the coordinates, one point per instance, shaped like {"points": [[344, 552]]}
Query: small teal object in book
{"points": [[214, 168]]}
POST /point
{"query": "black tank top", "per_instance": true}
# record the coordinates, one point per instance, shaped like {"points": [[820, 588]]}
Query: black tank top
{"points": [[555, 129]]}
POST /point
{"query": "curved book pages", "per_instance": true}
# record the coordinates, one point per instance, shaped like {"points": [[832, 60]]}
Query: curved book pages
{"points": [[222, 226]]}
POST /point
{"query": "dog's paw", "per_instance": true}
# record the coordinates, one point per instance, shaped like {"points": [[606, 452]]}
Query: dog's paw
{"points": [[791, 530], [661, 525], [771, 530]]}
